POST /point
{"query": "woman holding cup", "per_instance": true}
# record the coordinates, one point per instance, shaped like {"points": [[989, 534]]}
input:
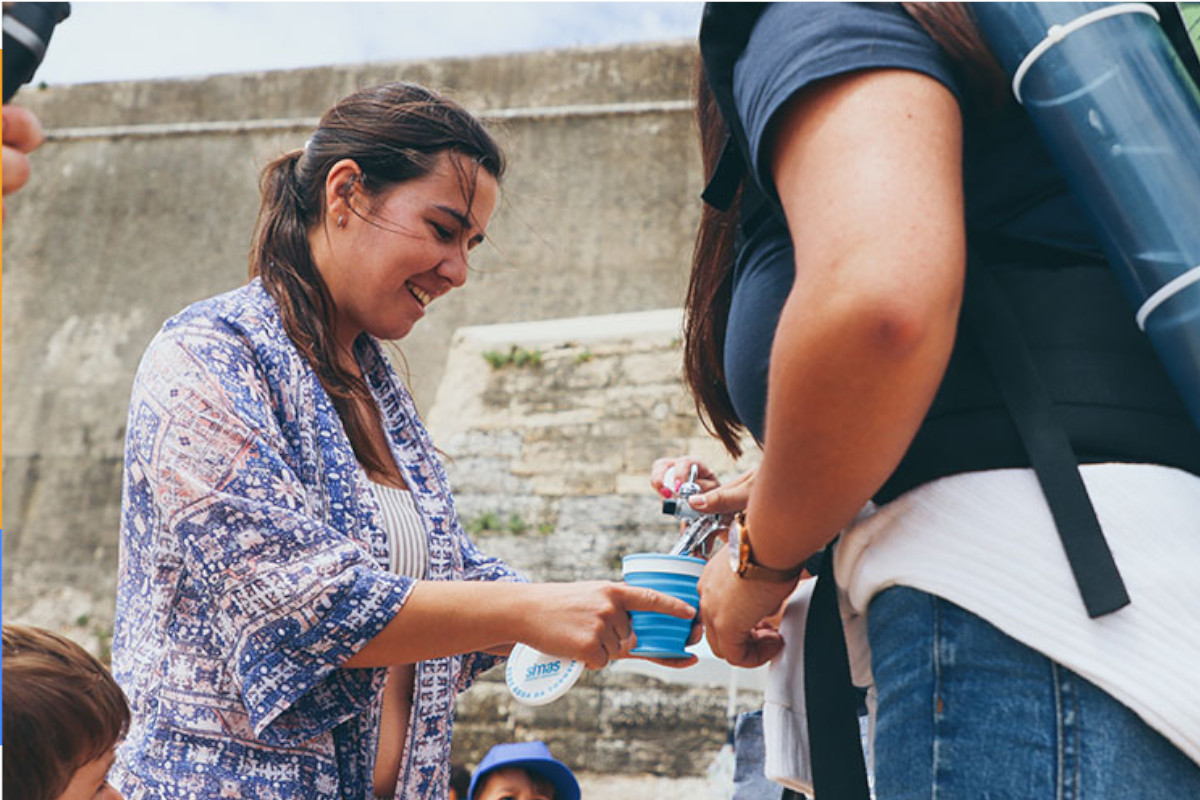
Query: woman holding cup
{"points": [[298, 604]]}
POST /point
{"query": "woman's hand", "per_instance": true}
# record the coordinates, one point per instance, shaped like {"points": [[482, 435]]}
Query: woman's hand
{"points": [[667, 474], [737, 613], [590, 621], [22, 135]]}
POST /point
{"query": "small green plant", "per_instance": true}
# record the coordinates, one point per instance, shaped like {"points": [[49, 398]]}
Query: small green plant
{"points": [[487, 521], [545, 528], [583, 356], [491, 522], [516, 356], [527, 358], [105, 635]]}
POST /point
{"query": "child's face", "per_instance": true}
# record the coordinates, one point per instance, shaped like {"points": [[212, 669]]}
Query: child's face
{"points": [[513, 783], [90, 782]]}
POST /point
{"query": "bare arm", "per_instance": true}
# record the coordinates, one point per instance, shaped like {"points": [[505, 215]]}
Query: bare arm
{"points": [[588, 622], [869, 172], [870, 176]]}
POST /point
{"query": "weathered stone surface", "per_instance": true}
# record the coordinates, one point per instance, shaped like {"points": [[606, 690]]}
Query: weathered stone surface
{"points": [[590, 476], [608, 723], [122, 228]]}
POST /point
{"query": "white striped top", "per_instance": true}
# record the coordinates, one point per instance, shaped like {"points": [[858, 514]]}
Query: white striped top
{"points": [[408, 550]]}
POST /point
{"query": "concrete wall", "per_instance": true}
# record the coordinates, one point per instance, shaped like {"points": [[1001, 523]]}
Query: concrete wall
{"points": [[143, 200]]}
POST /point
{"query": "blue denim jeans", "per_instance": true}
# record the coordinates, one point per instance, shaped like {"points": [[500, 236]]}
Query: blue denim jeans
{"points": [[749, 782], [966, 712]]}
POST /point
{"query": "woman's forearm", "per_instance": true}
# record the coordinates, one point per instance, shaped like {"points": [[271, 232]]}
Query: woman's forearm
{"points": [[868, 168], [585, 621], [442, 618], [849, 388]]}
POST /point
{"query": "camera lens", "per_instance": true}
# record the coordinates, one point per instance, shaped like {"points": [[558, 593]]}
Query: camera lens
{"points": [[27, 30]]}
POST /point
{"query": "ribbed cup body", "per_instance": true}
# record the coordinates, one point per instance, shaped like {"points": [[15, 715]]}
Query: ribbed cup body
{"points": [[660, 635]]}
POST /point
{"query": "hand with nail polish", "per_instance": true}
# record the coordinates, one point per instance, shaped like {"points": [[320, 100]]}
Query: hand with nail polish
{"points": [[666, 474]]}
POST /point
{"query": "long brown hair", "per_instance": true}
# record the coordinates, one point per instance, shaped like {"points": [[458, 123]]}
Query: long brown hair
{"points": [[710, 287], [395, 133]]}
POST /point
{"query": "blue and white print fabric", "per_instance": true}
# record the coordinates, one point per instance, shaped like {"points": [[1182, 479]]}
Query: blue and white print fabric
{"points": [[253, 564]]}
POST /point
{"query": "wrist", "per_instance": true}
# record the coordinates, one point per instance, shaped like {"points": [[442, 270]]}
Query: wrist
{"points": [[768, 552], [746, 562], [780, 534], [517, 612]]}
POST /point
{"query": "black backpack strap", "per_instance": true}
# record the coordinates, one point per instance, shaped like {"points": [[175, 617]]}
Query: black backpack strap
{"points": [[724, 30], [835, 746], [1175, 27], [990, 320], [726, 176]]}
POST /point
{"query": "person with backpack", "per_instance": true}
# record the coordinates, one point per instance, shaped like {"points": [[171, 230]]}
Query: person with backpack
{"points": [[895, 293]]}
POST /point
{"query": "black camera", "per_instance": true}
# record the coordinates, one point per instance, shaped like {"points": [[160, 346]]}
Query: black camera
{"points": [[27, 31]]}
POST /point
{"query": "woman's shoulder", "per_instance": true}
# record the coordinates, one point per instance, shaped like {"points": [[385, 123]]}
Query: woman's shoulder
{"points": [[246, 306], [245, 318], [220, 332]]}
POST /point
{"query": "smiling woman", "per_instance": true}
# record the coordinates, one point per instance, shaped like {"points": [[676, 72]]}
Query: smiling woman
{"points": [[298, 603], [384, 191], [405, 250]]}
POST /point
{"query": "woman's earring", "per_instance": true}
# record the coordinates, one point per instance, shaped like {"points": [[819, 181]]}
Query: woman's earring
{"points": [[341, 222]]}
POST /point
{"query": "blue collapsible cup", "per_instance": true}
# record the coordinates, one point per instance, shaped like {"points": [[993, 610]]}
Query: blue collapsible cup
{"points": [[661, 635]]}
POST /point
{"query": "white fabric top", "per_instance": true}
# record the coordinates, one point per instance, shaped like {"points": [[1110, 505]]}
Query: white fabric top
{"points": [[785, 723], [408, 551], [986, 541]]}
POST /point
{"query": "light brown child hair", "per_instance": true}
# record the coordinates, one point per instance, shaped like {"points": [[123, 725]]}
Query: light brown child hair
{"points": [[62, 710]]}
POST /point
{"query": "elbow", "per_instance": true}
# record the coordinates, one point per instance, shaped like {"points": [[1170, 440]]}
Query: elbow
{"points": [[901, 322], [876, 307], [896, 329]]}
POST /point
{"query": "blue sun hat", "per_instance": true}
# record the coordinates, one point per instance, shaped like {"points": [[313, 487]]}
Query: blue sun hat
{"points": [[532, 756]]}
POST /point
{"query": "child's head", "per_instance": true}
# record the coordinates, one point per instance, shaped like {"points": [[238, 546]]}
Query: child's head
{"points": [[522, 771], [460, 782], [63, 717]]}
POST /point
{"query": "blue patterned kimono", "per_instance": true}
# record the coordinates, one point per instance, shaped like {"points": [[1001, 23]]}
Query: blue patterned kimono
{"points": [[253, 564]]}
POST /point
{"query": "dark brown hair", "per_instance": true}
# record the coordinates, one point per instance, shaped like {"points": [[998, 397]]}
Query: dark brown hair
{"points": [[395, 132], [710, 286], [62, 709]]}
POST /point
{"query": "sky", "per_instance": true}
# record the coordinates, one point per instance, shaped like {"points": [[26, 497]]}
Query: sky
{"points": [[134, 41]]}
